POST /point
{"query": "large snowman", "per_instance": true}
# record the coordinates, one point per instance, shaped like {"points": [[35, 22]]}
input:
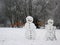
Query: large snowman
{"points": [[50, 35], [30, 28]]}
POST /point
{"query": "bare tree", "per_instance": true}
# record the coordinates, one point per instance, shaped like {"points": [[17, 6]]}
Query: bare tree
{"points": [[52, 12]]}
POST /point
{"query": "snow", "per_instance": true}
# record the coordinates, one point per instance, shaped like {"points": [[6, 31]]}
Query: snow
{"points": [[16, 36]]}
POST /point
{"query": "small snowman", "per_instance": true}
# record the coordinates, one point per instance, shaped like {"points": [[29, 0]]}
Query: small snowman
{"points": [[50, 30], [30, 28]]}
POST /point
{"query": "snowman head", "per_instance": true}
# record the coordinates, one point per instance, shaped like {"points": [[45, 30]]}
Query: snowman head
{"points": [[50, 22], [29, 19]]}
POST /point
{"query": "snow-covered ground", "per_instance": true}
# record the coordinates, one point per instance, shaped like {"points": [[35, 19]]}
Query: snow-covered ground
{"points": [[16, 36]]}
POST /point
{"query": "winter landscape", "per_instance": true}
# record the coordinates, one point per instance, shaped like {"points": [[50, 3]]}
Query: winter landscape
{"points": [[29, 22]]}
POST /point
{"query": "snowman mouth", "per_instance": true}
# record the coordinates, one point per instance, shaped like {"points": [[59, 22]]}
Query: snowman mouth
{"points": [[51, 22], [29, 20]]}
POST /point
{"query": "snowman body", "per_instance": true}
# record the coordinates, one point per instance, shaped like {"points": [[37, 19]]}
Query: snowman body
{"points": [[30, 28], [50, 31]]}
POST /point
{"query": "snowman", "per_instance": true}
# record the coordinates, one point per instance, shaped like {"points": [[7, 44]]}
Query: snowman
{"points": [[50, 30], [30, 28]]}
